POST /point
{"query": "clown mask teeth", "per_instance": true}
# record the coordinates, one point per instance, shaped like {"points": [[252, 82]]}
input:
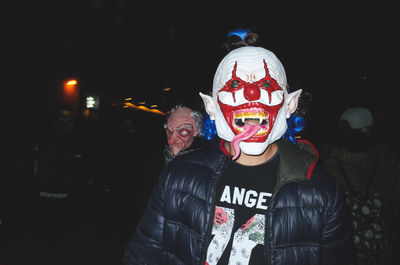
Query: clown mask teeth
{"points": [[261, 132], [253, 116]]}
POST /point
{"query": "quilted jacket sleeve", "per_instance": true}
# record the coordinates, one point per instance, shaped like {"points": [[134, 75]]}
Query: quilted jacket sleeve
{"points": [[146, 244], [336, 234]]}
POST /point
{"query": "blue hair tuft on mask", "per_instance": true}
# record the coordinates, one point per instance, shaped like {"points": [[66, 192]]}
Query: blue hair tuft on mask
{"points": [[295, 125], [241, 33], [208, 129]]}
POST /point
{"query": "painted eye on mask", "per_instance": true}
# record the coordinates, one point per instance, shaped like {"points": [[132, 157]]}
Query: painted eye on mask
{"points": [[235, 83], [267, 84], [184, 132], [181, 132]]}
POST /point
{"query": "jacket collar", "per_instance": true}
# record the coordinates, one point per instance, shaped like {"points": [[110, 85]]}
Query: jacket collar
{"points": [[297, 161]]}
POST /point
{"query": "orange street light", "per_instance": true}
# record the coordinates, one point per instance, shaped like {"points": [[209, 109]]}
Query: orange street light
{"points": [[70, 86], [72, 82]]}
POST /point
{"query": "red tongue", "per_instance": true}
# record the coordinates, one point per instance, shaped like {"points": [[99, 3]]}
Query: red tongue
{"points": [[248, 132]]}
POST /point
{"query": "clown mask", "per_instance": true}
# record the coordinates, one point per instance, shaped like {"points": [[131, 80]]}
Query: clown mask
{"points": [[181, 129], [250, 102]]}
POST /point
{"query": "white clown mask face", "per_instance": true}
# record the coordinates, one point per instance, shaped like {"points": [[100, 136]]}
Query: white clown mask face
{"points": [[250, 102]]}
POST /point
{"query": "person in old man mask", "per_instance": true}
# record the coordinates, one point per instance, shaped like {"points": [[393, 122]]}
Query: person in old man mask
{"points": [[183, 131]]}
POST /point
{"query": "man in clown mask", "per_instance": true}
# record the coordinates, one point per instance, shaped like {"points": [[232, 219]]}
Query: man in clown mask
{"points": [[253, 199]]}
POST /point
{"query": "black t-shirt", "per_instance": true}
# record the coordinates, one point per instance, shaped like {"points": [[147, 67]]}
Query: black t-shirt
{"points": [[242, 198]]}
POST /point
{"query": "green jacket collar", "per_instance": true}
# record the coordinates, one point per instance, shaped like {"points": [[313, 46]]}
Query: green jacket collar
{"points": [[297, 161]]}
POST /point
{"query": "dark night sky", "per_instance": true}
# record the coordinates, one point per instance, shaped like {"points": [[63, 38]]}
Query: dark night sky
{"points": [[338, 50]]}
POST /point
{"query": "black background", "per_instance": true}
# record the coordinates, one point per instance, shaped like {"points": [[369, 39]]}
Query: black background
{"points": [[342, 52]]}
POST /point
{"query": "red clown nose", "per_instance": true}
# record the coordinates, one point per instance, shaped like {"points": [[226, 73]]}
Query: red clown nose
{"points": [[251, 92]]}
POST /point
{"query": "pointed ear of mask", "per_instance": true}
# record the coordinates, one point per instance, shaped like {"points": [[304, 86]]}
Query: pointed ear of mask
{"points": [[209, 105], [292, 102]]}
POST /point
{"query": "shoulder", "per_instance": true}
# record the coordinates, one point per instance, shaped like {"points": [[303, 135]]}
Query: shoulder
{"points": [[207, 156], [192, 173], [326, 186], [201, 164], [322, 179]]}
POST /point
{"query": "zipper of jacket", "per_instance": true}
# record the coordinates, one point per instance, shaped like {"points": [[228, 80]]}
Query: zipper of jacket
{"points": [[267, 249], [209, 229]]}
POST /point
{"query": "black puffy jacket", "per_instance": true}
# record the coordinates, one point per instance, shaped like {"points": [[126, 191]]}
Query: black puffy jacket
{"points": [[306, 221]]}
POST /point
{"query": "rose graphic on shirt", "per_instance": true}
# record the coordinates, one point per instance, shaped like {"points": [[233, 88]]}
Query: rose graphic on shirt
{"points": [[220, 216], [248, 223]]}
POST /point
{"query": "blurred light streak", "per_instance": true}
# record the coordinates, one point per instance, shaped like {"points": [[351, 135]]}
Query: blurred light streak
{"points": [[130, 105]]}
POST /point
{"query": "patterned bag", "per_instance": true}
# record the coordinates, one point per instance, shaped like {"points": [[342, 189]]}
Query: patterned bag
{"points": [[370, 236]]}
